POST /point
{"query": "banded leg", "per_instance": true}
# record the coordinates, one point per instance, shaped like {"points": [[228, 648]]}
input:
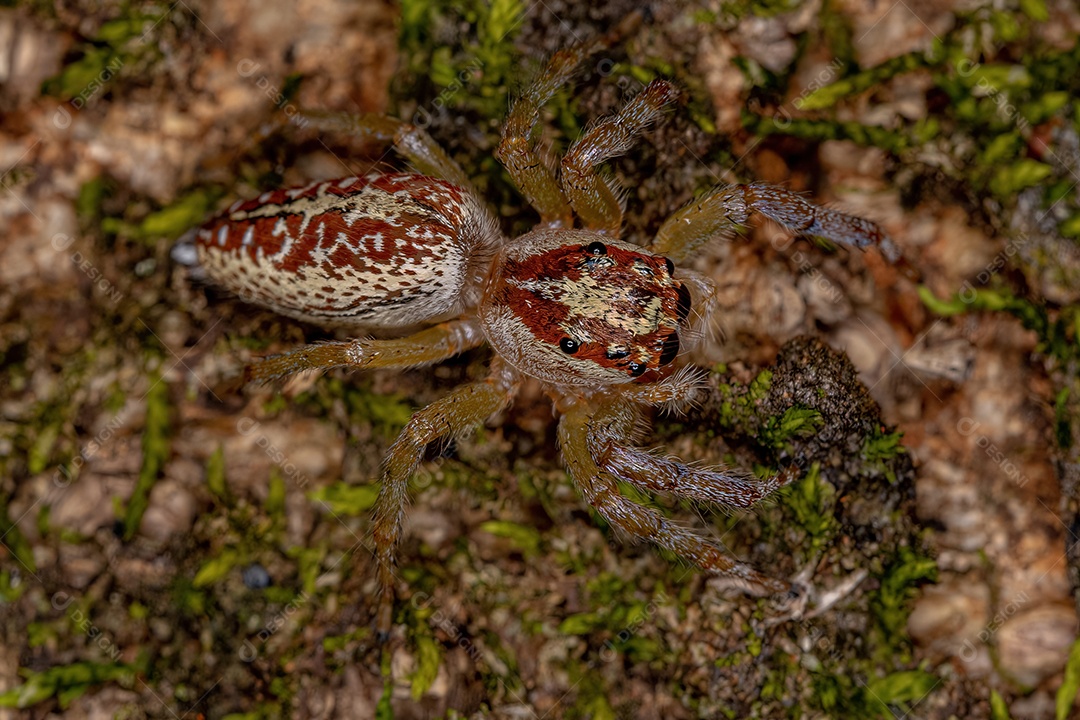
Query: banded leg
{"points": [[519, 154], [517, 151], [726, 209], [611, 428], [411, 142], [464, 408], [431, 345], [601, 492], [593, 197]]}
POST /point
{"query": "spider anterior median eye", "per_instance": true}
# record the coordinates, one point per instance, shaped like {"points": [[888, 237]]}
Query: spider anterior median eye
{"points": [[596, 248], [670, 266], [636, 369], [569, 345], [670, 350], [682, 310]]}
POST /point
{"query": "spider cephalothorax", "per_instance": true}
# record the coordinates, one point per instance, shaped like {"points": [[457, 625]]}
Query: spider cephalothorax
{"points": [[604, 325], [572, 306]]}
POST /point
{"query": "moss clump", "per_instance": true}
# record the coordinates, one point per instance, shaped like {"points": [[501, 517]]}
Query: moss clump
{"points": [[811, 408], [851, 512], [475, 70]]}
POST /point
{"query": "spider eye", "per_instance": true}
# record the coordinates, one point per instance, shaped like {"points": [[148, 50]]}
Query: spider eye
{"points": [[670, 350], [617, 354], [670, 266], [636, 369], [682, 309], [596, 248], [569, 345]]}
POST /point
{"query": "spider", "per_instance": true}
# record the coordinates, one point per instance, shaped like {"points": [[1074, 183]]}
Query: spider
{"points": [[604, 325]]}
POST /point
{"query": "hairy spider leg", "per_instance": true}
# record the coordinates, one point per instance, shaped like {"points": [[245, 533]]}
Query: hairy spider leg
{"points": [[519, 153], [608, 444], [451, 415], [722, 212], [584, 425], [431, 345], [411, 142], [594, 197]]}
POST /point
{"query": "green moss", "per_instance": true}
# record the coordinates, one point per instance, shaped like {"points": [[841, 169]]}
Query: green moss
{"points": [[428, 658], [155, 447], [885, 696], [1063, 419], [754, 643], [16, 544], [828, 95], [345, 499], [275, 404], [335, 643], [1010, 179], [217, 567], [66, 683], [775, 685], [385, 413], [41, 450], [1057, 330], [822, 130], [1070, 686], [898, 690], [524, 537], [309, 564], [88, 203], [117, 45], [812, 502], [999, 710], [890, 604], [879, 448], [11, 585], [275, 499], [992, 103], [215, 476], [796, 422], [474, 72], [478, 481], [182, 215], [739, 406], [758, 8]]}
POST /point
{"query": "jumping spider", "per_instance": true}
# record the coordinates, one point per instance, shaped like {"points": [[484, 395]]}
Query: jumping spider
{"points": [[604, 325]]}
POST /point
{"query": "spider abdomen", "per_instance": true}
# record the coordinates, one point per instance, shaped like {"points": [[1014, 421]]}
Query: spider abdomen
{"points": [[380, 252]]}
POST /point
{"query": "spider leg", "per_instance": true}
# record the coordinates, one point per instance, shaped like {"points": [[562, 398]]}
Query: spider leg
{"points": [[517, 151], [614, 425], [519, 154], [614, 429], [578, 429], [726, 209], [593, 197], [431, 345], [462, 409], [714, 485], [411, 142]]}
